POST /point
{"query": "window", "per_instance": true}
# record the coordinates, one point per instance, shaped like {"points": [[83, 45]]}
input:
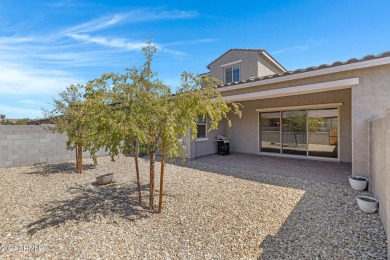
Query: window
{"points": [[232, 74], [307, 132], [201, 127]]}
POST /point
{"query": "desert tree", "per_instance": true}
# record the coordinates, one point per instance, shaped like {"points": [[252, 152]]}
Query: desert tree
{"points": [[118, 111], [70, 117], [197, 96], [144, 110]]}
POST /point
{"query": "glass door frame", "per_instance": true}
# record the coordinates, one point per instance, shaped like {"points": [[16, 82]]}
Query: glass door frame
{"points": [[307, 108]]}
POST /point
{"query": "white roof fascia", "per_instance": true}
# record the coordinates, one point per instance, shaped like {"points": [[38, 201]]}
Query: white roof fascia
{"points": [[296, 90], [273, 61], [341, 68], [318, 106]]}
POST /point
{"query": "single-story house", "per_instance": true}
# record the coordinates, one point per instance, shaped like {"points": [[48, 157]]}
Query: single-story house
{"points": [[320, 113]]}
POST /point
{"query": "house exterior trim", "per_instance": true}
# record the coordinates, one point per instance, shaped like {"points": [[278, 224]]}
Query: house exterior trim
{"points": [[319, 106], [305, 107], [231, 63], [347, 67], [297, 90], [273, 61]]}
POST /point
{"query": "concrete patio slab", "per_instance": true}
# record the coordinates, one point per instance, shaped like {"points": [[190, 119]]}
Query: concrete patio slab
{"points": [[325, 171]]}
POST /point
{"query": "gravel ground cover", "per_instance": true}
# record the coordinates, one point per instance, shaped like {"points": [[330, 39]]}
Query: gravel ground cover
{"points": [[210, 212]]}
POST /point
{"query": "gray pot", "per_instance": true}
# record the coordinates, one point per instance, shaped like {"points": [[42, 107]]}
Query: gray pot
{"points": [[358, 182], [367, 204], [105, 178]]}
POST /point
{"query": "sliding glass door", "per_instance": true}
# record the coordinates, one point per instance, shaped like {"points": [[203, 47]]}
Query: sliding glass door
{"points": [[323, 132], [294, 132], [270, 132], [309, 132]]}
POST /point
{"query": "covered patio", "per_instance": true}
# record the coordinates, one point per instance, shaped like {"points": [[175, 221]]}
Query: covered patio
{"points": [[324, 171]]}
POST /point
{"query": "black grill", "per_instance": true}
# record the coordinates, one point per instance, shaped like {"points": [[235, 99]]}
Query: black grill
{"points": [[223, 147]]}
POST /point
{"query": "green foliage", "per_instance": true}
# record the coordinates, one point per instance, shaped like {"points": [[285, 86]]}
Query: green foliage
{"points": [[22, 121], [137, 106], [295, 121], [196, 96], [7, 123], [68, 115], [75, 116], [314, 124], [115, 110]]}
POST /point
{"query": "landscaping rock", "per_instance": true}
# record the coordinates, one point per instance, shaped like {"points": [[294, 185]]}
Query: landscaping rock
{"points": [[209, 212]]}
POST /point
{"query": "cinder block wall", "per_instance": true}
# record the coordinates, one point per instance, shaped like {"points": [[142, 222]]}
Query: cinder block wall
{"points": [[23, 145], [380, 169]]}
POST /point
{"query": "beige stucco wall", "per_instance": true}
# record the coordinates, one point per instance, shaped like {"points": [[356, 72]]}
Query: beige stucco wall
{"points": [[244, 132], [252, 65], [265, 68], [189, 148], [370, 99], [380, 169], [248, 66], [209, 146]]}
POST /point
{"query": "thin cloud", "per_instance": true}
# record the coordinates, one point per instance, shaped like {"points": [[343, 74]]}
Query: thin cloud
{"points": [[297, 48], [19, 79], [120, 43], [15, 40], [139, 15], [113, 42], [30, 102], [172, 52], [79, 58], [65, 53], [18, 112], [190, 42]]}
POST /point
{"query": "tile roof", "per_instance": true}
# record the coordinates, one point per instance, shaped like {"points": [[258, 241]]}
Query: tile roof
{"points": [[313, 68]]}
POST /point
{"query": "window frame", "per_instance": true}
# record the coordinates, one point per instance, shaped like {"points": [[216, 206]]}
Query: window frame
{"points": [[307, 108], [202, 138], [232, 73]]}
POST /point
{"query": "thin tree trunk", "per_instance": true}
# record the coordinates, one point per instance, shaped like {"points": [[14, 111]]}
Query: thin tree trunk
{"points": [[77, 158], [161, 175], [80, 160], [151, 188], [295, 137], [137, 171]]}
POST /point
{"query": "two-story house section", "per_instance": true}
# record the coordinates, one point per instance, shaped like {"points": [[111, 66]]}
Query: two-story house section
{"points": [[237, 65], [321, 112]]}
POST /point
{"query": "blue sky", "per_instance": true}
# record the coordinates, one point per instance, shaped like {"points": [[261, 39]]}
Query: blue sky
{"points": [[47, 45]]}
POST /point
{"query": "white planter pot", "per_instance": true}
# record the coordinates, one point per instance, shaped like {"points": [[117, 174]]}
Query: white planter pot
{"points": [[367, 204], [358, 182], [105, 178]]}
